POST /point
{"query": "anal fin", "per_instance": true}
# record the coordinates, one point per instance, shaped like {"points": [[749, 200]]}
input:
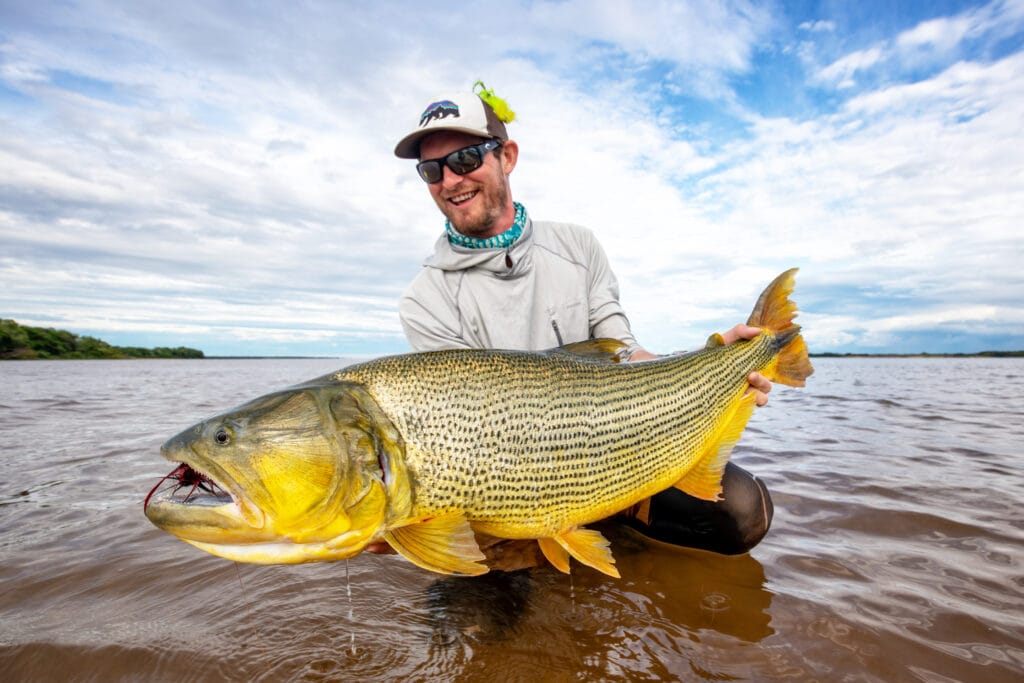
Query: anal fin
{"points": [[586, 545], [704, 480], [444, 544], [555, 553]]}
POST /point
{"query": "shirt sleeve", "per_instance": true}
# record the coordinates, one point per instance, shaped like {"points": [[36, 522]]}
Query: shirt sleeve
{"points": [[429, 319], [607, 317]]}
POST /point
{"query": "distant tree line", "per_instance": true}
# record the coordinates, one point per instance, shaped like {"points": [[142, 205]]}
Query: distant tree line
{"points": [[22, 342]]}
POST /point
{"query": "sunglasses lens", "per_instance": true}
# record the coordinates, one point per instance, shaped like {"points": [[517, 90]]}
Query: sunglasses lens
{"points": [[461, 161], [430, 171], [464, 161]]}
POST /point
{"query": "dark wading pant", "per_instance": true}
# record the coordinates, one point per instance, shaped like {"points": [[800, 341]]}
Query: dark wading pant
{"points": [[730, 526]]}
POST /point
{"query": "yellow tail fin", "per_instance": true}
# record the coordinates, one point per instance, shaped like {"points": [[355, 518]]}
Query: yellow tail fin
{"points": [[774, 313]]}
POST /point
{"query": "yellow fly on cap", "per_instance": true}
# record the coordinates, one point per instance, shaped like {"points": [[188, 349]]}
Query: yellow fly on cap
{"points": [[500, 106]]}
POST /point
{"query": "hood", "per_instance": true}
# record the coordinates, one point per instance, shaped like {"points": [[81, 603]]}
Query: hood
{"points": [[450, 257]]}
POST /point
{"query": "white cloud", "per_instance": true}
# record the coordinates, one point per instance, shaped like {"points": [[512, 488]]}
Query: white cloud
{"points": [[942, 34], [842, 71], [236, 175], [931, 42], [900, 186], [719, 35], [996, 20], [819, 26]]}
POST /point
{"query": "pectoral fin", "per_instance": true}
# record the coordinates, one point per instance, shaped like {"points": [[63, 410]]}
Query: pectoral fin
{"points": [[586, 545], [704, 480], [443, 544]]}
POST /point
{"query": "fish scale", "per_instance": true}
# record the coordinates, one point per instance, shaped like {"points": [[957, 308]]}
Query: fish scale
{"points": [[427, 451], [524, 458]]}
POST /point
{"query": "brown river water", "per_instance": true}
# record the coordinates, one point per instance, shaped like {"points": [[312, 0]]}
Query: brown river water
{"points": [[897, 551]]}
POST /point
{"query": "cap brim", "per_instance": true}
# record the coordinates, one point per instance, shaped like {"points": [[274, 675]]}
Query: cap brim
{"points": [[409, 146]]}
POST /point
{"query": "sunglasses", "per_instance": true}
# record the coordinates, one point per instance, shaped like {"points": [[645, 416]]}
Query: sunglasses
{"points": [[461, 161]]}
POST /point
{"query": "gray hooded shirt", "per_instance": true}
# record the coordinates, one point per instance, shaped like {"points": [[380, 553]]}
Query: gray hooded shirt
{"points": [[553, 286]]}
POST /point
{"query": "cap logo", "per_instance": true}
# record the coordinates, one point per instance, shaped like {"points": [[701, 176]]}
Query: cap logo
{"points": [[439, 110]]}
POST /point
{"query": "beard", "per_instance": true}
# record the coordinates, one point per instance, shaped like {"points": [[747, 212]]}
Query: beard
{"points": [[490, 205]]}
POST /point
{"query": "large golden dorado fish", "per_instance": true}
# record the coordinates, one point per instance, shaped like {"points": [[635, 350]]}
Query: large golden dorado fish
{"points": [[422, 450]]}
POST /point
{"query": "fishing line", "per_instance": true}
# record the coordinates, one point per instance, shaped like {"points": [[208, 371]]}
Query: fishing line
{"points": [[572, 593], [245, 603], [351, 612]]}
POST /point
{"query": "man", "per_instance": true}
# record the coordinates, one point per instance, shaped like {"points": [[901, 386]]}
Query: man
{"points": [[498, 279]]}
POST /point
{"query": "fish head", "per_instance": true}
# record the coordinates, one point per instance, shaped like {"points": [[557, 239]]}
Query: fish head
{"points": [[293, 476]]}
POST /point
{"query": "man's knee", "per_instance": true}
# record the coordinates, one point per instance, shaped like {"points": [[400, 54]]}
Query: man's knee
{"points": [[730, 526]]}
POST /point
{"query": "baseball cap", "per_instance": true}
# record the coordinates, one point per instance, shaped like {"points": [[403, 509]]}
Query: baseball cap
{"points": [[462, 112]]}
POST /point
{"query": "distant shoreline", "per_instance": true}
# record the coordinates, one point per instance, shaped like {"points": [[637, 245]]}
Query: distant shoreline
{"points": [[203, 357], [983, 354], [980, 354], [274, 357], [23, 342]]}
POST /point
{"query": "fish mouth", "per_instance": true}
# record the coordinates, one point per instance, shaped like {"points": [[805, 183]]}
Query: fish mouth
{"points": [[198, 503], [186, 485], [199, 508]]}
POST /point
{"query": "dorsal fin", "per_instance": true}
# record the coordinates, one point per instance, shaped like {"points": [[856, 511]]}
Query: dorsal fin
{"points": [[714, 341], [604, 349]]}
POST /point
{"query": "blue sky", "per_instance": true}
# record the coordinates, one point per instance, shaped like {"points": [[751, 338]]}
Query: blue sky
{"points": [[219, 174]]}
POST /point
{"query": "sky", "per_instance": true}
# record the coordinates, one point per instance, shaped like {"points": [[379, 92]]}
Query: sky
{"points": [[220, 175]]}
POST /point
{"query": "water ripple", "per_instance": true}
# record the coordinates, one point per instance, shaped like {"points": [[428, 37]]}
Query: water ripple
{"points": [[894, 553]]}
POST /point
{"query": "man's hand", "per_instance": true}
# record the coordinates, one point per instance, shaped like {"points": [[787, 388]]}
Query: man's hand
{"points": [[642, 354], [759, 384]]}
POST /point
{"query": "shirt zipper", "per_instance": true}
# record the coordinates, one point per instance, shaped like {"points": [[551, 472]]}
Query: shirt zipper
{"points": [[558, 334]]}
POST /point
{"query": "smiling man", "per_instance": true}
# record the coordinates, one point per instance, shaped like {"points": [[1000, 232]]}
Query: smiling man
{"points": [[498, 279]]}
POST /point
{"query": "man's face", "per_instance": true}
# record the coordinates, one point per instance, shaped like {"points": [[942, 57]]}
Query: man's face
{"points": [[477, 204]]}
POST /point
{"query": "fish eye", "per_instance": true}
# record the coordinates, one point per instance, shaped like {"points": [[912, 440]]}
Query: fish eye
{"points": [[222, 437]]}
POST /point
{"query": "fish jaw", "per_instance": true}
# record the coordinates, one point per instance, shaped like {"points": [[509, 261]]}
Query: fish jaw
{"points": [[206, 508], [276, 552], [288, 477], [201, 502], [367, 524]]}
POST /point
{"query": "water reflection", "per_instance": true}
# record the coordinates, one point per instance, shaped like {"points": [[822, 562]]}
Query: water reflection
{"points": [[701, 590], [894, 553], [669, 611], [692, 589], [481, 608]]}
